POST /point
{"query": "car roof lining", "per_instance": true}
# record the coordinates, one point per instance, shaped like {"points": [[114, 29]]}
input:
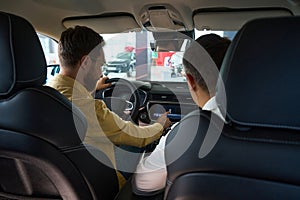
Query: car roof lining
{"points": [[217, 18], [123, 22], [44, 14], [204, 19]]}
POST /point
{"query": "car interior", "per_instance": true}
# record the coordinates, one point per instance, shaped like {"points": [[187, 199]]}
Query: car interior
{"points": [[252, 155]]}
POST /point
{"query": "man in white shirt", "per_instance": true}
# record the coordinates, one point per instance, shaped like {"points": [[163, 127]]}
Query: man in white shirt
{"points": [[151, 172]]}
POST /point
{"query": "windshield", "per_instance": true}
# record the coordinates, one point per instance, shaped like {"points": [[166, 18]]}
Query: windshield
{"points": [[147, 56], [138, 55]]}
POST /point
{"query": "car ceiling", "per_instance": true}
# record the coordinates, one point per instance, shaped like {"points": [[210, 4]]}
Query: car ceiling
{"points": [[47, 16]]}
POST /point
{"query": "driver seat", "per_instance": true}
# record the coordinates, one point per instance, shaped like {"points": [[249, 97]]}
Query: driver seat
{"points": [[41, 151]]}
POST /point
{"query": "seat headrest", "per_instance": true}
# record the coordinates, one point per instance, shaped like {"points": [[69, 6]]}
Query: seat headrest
{"points": [[22, 60], [261, 74]]}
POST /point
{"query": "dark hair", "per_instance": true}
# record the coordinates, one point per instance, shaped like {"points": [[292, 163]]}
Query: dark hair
{"points": [[216, 46], [75, 43]]}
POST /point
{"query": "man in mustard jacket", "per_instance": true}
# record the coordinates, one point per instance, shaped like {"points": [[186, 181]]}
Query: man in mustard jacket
{"points": [[81, 57]]}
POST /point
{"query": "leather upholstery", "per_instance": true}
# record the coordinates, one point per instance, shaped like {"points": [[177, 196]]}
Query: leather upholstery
{"points": [[261, 74], [34, 111], [20, 51], [257, 154], [41, 151]]}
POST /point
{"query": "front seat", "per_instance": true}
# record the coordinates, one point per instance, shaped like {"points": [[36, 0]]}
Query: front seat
{"points": [[41, 151], [257, 155]]}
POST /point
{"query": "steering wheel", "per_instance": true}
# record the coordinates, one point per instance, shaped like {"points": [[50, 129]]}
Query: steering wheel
{"points": [[120, 105]]}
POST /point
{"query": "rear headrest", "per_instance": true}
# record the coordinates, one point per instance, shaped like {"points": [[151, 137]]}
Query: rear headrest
{"points": [[22, 61], [261, 74]]}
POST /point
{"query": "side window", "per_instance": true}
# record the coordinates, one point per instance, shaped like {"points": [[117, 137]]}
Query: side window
{"points": [[50, 50]]}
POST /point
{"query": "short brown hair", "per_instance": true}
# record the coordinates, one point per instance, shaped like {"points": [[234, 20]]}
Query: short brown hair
{"points": [[216, 46], [76, 42]]}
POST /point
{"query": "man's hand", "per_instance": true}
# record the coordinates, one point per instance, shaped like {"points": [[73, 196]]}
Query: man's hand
{"points": [[164, 120], [101, 83]]}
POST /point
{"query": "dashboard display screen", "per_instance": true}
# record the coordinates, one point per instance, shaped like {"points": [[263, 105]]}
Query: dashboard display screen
{"points": [[177, 111]]}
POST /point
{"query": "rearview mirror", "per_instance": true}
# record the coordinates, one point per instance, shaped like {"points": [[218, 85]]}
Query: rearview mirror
{"points": [[167, 45]]}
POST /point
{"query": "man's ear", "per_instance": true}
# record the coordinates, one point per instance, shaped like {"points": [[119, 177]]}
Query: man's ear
{"points": [[191, 81], [84, 61]]}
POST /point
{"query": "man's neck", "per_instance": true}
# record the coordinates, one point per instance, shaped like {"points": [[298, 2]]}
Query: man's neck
{"points": [[202, 98], [70, 73]]}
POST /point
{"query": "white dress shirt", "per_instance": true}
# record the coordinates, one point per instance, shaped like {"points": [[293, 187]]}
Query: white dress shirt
{"points": [[151, 172]]}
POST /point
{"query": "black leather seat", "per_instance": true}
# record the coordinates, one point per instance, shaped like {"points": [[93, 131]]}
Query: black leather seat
{"points": [[257, 155], [41, 133]]}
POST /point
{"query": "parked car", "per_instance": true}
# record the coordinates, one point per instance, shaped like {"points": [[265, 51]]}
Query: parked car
{"points": [[123, 62]]}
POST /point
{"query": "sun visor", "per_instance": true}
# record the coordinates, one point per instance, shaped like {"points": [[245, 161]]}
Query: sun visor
{"points": [[103, 24], [232, 19]]}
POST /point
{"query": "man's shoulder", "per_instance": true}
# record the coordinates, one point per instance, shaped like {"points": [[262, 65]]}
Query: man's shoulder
{"points": [[192, 114], [55, 81], [61, 84]]}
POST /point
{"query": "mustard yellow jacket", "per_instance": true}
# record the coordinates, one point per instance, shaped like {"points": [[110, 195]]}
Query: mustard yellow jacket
{"points": [[105, 128]]}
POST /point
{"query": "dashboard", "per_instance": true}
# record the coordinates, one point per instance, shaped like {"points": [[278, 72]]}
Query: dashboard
{"points": [[156, 98], [172, 97]]}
